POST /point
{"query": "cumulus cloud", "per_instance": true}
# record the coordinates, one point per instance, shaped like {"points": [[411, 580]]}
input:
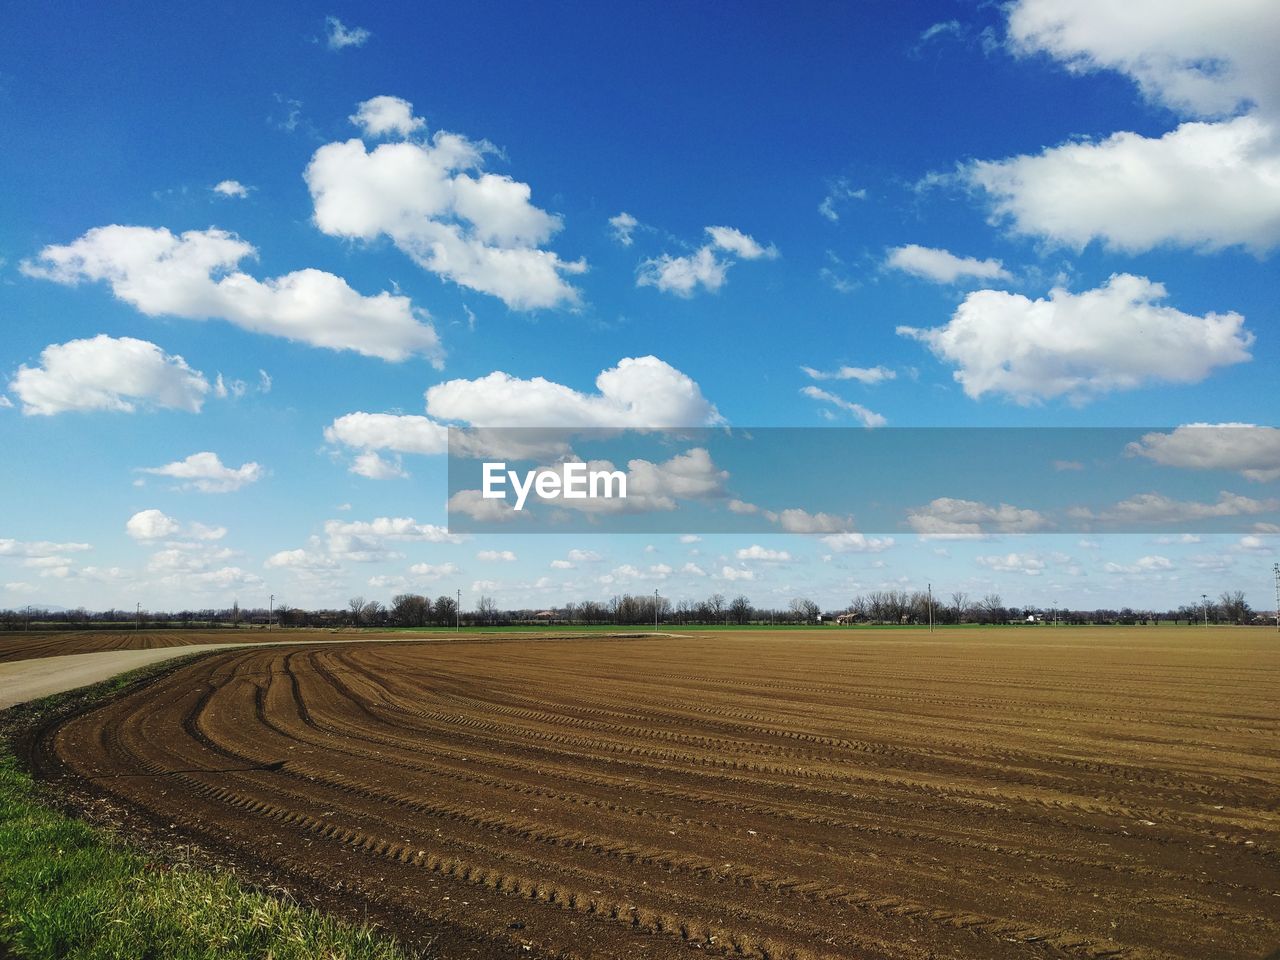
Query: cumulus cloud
{"points": [[1115, 337], [640, 392], [107, 373], [386, 431], [205, 472], [623, 226], [386, 116], [764, 554], [364, 541], [1199, 59], [478, 230], [496, 556], [865, 375], [1027, 563], [338, 36], [194, 275], [231, 188], [942, 266], [152, 525], [373, 466], [39, 550], [1251, 450], [857, 543], [1152, 508], [948, 516], [300, 559], [1150, 564], [706, 267], [869, 418], [795, 520], [1204, 185]]}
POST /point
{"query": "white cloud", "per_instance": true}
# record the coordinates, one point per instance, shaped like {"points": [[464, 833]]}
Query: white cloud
{"points": [[373, 466], [1251, 450], [205, 472], [339, 36], [642, 392], [733, 574], [857, 543], [380, 116], [1196, 58], [386, 431], [561, 565], [741, 506], [693, 570], [496, 556], [869, 418], [1151, 564], [865, 375], [365, 541], [1114, 337], [837, 192], [706, 267], [1026, 563], [39, 549], [584, 556], [690, 538], [152, 525], [481, 232], [795, 520], [1159, 508], [433, 571], [194, 276], [949, 516], [942, 266], [231, 188], [624, 225], [300, 559], [757, 552], [1202, 186], [104, 373]]}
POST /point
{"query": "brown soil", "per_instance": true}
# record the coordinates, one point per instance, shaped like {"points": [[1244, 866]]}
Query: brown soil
{"points": [[985, 795]]}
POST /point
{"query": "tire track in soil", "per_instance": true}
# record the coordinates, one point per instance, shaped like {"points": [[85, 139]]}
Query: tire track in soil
{"points": [[569, 799]]}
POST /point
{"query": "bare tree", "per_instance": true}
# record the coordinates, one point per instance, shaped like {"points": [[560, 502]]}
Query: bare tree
{"points": [[487, 610], [1234, 606], [356, 606], [959, 605], [740, 610], [805, 609]]}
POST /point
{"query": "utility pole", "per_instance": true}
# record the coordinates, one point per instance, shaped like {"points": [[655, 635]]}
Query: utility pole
{"points": [[271, 611], [930, 608], [458, 612], [1204, 599], [655, 610], [27, 629], [137, 617], [1275, 569]]}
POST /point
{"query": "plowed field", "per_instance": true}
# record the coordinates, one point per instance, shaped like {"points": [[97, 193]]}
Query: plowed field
{"points": [[1019, 793], [34, 646]]}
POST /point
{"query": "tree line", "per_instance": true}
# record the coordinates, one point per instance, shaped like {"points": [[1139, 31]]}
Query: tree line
{"points": [[417, 610]]}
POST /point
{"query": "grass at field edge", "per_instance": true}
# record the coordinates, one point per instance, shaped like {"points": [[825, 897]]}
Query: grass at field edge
{"points": [[72, 890]]}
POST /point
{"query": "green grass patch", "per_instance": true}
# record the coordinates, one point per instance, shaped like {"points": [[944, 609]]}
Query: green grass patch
{"points": [[71, 890]]}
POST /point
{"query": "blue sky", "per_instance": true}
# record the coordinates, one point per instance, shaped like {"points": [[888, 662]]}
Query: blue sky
{"points": [[948, 214]]}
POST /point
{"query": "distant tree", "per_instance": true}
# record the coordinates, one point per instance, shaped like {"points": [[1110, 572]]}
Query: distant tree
{"points": [[374, 613], [992, 608], [487, 610], [715, 607], [959, 605], [356, 605], [283, 613], [444, 611], [410, 610], [805, 610], [740, 610], [1234, 606]]}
